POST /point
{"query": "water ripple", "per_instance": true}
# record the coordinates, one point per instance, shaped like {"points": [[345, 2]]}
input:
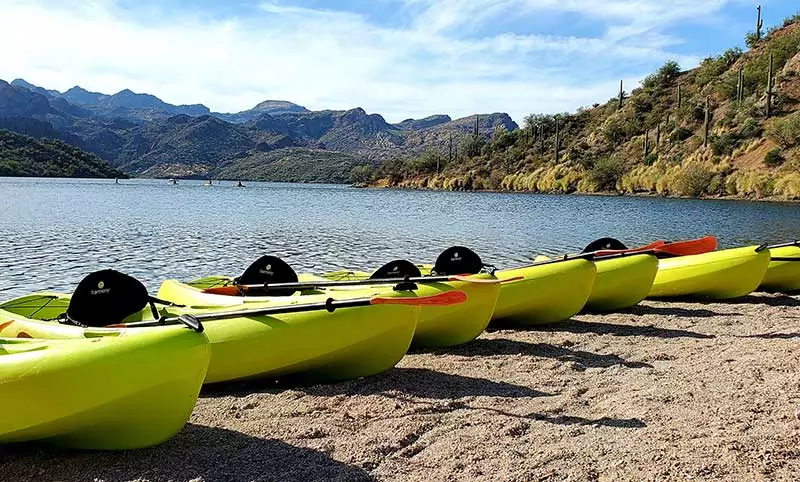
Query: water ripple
{"points": [[54, 232]]}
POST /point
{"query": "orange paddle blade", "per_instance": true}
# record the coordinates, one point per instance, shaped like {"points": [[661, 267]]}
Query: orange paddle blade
{"points": [[223, 290], [442, 299], [691, 246]]}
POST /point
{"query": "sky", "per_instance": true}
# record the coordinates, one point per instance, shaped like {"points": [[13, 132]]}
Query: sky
{"points": [[399, 58]]}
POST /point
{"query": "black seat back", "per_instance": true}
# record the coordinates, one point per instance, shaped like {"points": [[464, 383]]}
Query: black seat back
{"points": [[457, 260], [269, 269], [399, 268], [106, 297], [603, 243]]}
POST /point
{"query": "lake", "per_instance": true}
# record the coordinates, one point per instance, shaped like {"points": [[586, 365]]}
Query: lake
{"points": [[55, 231]]}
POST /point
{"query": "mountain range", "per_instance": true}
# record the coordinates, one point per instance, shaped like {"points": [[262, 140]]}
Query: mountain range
{"points": [[142, 135]]}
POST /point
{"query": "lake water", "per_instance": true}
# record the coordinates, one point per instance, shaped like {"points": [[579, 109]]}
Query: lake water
{"points": [[55, 231]]}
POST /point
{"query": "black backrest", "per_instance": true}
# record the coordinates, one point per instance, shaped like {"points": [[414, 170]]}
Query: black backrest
{"points": [[105, 298], [269, 269], [604, 243], [398, 268], [457, 260]]}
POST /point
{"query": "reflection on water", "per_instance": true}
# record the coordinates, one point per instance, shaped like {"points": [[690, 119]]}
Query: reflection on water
{"points": [[55, 231]]}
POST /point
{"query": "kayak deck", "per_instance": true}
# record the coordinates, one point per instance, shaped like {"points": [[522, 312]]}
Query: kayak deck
{"points": [[121, 391]]}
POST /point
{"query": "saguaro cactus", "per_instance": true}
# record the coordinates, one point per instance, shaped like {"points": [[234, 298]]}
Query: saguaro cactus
{"points": [[706, 124], [770, 82], [621, 94], [759, 23], [658, 135], [740, 87], [680, 97], [477, 117], [556, 143]]}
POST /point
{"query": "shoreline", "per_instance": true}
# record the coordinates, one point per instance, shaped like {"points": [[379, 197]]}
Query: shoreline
{"points": [[662, 391]]}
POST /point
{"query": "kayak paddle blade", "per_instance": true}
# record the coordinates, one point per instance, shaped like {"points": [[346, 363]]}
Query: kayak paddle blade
{"points": [[442, 299]]}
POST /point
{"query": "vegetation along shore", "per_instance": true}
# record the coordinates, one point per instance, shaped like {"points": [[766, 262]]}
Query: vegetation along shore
{"points": [[728, 128]]}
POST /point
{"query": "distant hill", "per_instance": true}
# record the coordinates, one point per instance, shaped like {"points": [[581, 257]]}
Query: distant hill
{"points": [[26, 156], [142, 135], [713, 131], [269, 107]]}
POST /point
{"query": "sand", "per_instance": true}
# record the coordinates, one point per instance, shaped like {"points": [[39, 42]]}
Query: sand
{"points": [[664, 391]]}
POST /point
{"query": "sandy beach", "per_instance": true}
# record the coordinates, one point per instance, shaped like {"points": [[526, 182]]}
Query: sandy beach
{"points": [[663, 391]]}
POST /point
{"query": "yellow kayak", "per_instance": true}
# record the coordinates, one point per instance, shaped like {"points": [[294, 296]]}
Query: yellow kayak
{"points": [[96, 388], [540, 293], [725, 274], [312, 345], [783, 272], [436, 326], [622, 281]]}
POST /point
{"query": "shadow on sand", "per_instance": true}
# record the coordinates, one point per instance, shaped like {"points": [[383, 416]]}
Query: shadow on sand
{"points": [[504, 346], [775, 300], [641, 310], [425, 383], [196, 452], [601, 328]]}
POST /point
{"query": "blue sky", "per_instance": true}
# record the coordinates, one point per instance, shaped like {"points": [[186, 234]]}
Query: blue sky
{"points": [[399, 58]]}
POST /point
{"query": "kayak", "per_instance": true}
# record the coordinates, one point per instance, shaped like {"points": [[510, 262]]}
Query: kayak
{"points": [[540, 293], [725, 274], [438, 326], [97, 388], [622, 281], [783, 272], [308, 346]]}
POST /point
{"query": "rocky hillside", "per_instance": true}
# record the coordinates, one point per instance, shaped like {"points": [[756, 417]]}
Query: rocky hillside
{"points": [[25, 156], [142, 135], [716, 130]]}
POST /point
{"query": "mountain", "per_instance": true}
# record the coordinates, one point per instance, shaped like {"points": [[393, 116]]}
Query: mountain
{"points": [[39, 90], [80, 96], [142, 135], [268, 107], [418, 124], [20, 102], [713, 131], [26, 156]]}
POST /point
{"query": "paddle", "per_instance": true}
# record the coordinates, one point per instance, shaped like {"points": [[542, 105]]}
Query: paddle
{"points": [[442, 299], [784, 245], [235, 290]]}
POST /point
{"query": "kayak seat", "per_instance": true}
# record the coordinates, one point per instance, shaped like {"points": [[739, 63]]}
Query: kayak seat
{"points": [[268, 269], [457, 260], [603, 244], [106, 297], [399, 268]]}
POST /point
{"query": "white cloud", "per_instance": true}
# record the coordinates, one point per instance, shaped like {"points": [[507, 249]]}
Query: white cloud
{"points": [[329, 59]]}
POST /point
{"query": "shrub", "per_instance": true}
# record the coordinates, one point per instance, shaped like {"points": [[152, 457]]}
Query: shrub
{"points": [[605, 173], [785, 131], [751, 39], [692, 180], [773, 158], [725, 144], [750, 129], [681, 134], [790, 20]]}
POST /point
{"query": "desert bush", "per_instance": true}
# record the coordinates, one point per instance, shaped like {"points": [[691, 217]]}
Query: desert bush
{"points": [[693, 179], [773, 158], [785, 131], [605, 173]]}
